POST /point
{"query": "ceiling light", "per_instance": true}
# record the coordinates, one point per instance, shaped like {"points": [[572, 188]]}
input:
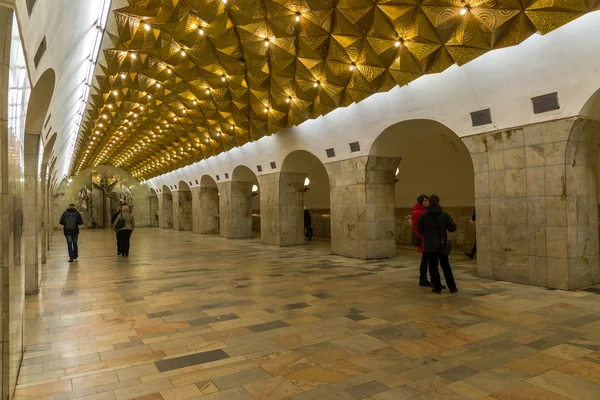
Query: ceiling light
{"points": [[398, 43], [123, 76], [266, 109], [100, 125], [104, 116], [352, 66], [115, 92], [224, 1], [110, 106], [149, 96], [463, 10], [133, 56], [316, 83], [201, 31], [182, 53], [195, 102], [297, 17], [231, 127], [158, 85], [254, 188], [306, 181], [223, 78], [288, 99], [169, 71], [142, 108], [207, 91], [147, 27]]}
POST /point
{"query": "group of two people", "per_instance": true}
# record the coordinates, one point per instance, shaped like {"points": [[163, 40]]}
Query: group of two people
{"points": [[123, 224], [430, 226]]}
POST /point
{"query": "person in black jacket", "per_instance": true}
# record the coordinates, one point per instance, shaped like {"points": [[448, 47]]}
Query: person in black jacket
{"points": [[70, 220], [112, 222], [308, 232], [474, 250], [434, 225]]}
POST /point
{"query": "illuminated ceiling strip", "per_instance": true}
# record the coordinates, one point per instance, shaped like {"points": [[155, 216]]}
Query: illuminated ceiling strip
{"points": [[92, 62]]}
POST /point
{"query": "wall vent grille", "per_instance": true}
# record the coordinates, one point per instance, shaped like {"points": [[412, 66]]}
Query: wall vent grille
{"points": [[196, 181], [40, 52], [481, 117], [273, 165], [226, 175], [330, 153], [191, 183], [354, 147], [545, 103], [218, 178], [259, 168]]}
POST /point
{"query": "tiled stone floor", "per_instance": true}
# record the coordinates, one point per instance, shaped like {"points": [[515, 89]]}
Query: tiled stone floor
{"points": [[190, 316]]}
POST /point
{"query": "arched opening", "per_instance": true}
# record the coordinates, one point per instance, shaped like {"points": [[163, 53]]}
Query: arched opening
{"points": [[182, 208], [153, 209], [240, 211], [206, 214], [430, 158], [305, 184], [37, 108], [166, 209]]}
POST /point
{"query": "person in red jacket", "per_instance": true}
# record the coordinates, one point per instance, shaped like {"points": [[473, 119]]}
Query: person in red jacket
{"points": [[419, 208]]}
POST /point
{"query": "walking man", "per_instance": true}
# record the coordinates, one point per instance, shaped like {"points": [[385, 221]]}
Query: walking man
{"points": [[308, 232], [70, 220], [112, 221]]}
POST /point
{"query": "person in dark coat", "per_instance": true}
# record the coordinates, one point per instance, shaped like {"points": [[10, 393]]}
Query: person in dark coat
{"points": [[70, 220], [308, 232], [112, 221], [434, 225], [419, 208], [474, 250]]}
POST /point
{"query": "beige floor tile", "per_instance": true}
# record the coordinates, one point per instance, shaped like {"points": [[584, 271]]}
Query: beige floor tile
{"points": [[566, 385], [536, 364], [181, 393], [94, 380], [276, 388], [526, 391]]}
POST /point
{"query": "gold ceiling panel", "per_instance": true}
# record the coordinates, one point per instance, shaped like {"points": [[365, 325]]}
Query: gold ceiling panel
{"points": [[189, 79]]}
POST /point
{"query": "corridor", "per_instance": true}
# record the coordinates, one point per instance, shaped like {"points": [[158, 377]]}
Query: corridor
{"points": [[192, 316]]}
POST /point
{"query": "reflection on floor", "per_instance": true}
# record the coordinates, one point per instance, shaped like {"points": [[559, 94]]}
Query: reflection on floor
{"points": [[190, 316]]}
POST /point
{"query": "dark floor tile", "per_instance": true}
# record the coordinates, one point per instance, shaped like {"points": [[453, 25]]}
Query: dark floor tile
{"points": [[295, 306], [210, 320], [356, 317], [458, 373], [355, 310], [135, 298], [322, 295], [187, 361], [592, 290], [267, 326], [367, 389], [125, 345], [396, 333], [159, 314]]}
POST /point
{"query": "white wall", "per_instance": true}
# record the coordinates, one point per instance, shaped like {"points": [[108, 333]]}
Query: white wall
{"points": [[503, 80]]}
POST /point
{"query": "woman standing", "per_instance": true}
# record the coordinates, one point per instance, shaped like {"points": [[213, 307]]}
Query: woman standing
{"points": [[419, 208], [124, 225]]}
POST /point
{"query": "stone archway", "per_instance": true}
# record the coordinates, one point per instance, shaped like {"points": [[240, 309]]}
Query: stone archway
{"points": [[153, 208], [205, 205], [165, 202], [239, 202]]}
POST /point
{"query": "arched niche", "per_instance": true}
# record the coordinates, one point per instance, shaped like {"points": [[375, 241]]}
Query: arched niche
{"points": [[306, 173], [153, 208], [205, 205], [166, 208], [430, 158], [182, 207]]}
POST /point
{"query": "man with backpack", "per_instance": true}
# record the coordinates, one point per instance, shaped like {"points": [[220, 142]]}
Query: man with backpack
{"points": [[112, 221], [70, 220]]}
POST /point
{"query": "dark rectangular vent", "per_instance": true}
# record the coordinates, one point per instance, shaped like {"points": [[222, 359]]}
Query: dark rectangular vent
{"points": [[545, 103], [273, 165], [259, 168], [47, 133], [40, 52], [218, 178], [196, 181], [47, 121], [30, 4], [175, 187], [481, 117], [354, 147], [330, 152], [191, 183], [171, 186], [226, 175]]}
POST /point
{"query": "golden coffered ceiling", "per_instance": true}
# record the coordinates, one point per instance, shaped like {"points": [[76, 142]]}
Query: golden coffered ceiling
{"points": [[189, 79]]}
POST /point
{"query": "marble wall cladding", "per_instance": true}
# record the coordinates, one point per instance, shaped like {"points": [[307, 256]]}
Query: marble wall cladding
{"points": [[68, 192], [30, 214], [43, 214], [153, 212], [182, 210], [224, 209], [235, 207], [281, 208], [536, 201], [165, 204], [362, 207], [14, 95], [205, 204]]}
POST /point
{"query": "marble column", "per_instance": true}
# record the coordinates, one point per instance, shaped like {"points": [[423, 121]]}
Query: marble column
{"points": [[43, 213], [537, 203], [182, 210], [363, 207], [235, 207], [165, 204], [205, 210], [30, 214], [281, 208]]}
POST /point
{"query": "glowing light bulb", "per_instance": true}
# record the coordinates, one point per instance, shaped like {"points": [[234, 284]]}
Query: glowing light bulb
{"points": [[133, 56], [207, 91], [195, 102], [297, 17], [463, 11], [288, 99], [316, 84], [183, 53], [123, 76], [266, 109], [110, 106], [223, 78], [231, 127], [149, 96], [224, 1], [104, 116], [267, 42], [254, 188], [352, 66], [169, 71], [142, 108], [306, 181], [201, 31], [115, 92], [147, 27]]}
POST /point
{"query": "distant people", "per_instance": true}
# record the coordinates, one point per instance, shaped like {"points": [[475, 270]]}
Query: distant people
{"points": [[124, 226], [70, 220], [112, 221], [471, 255], [434, 225], [308, 232], [417, 239]]}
